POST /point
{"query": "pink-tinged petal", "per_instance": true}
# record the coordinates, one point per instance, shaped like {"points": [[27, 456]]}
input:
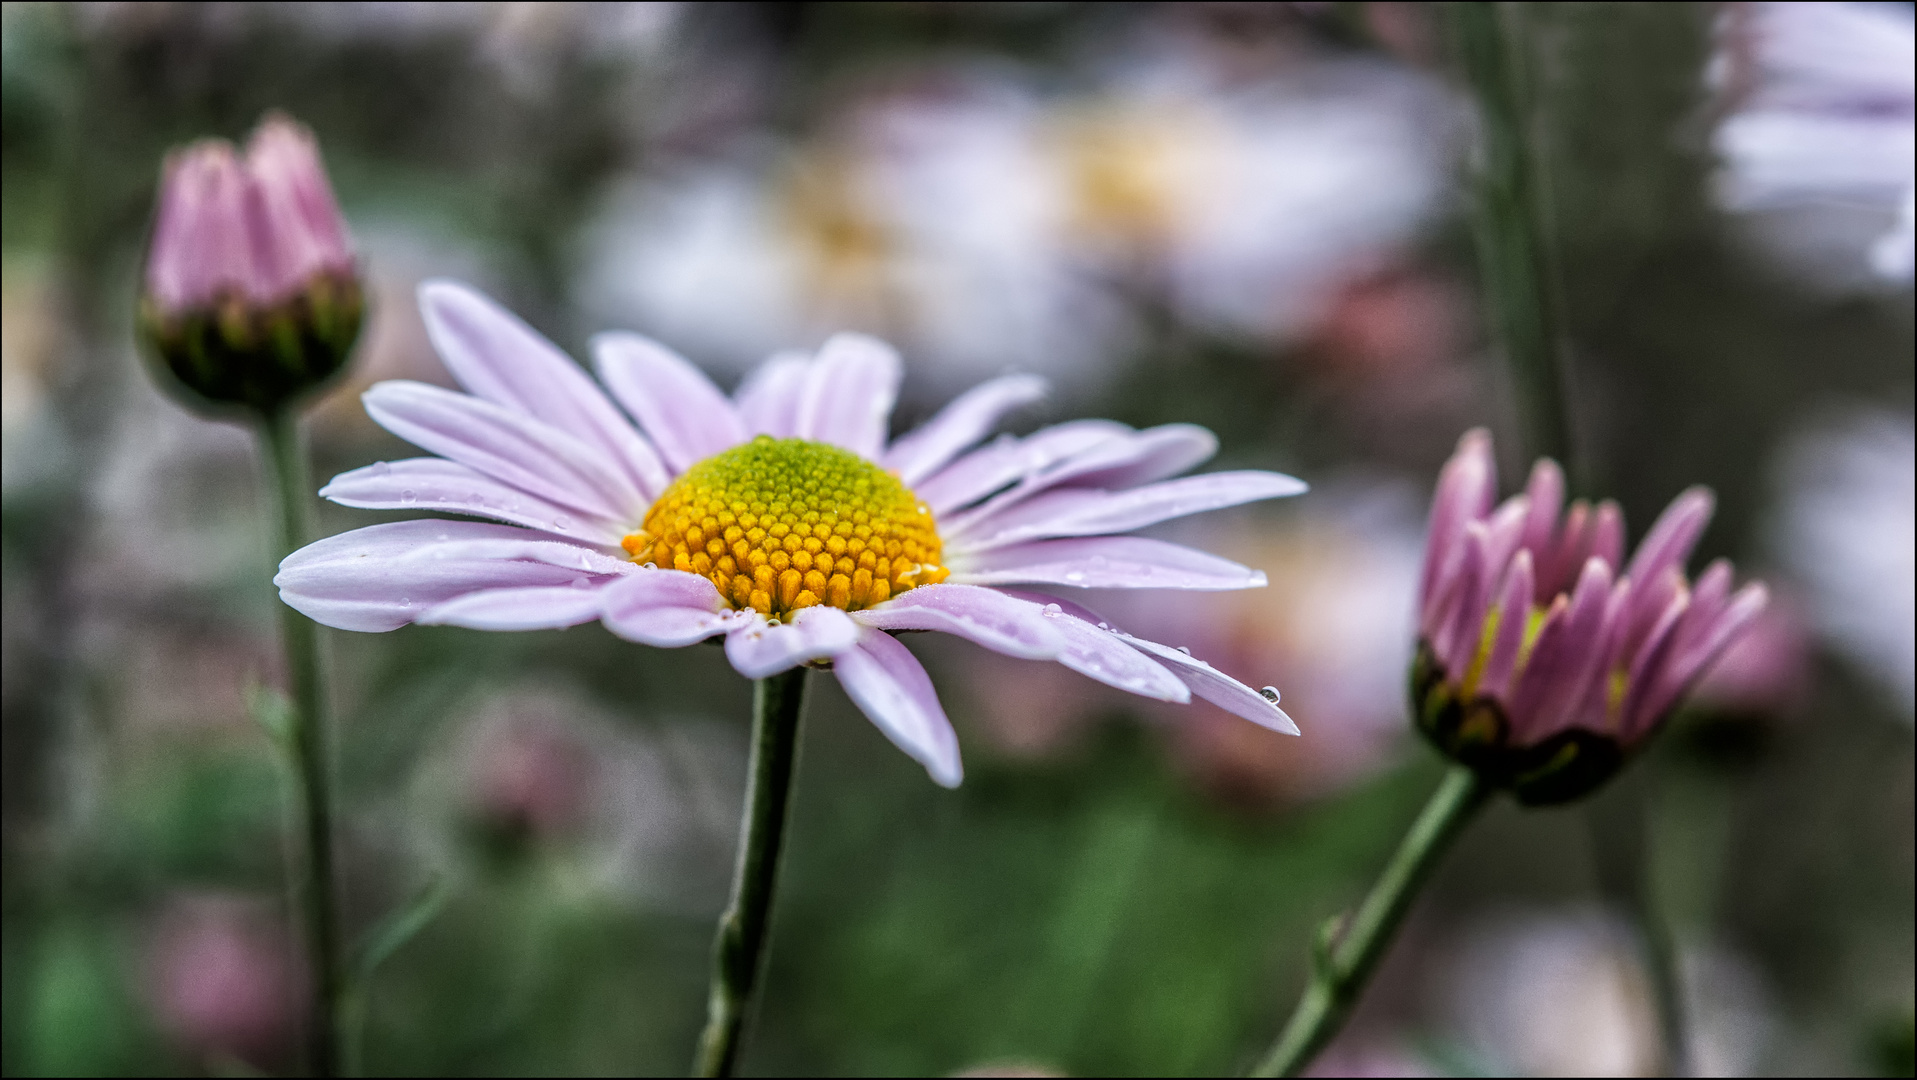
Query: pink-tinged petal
{"points": [[494, 354], [451, 488], [891, 688], [1558, 564], [1095, 650], [1219, 688], [541, 607], [1503, 533], [297, 229], [1514, 611], [1104, 562], [768, 400], [1466, 487], [1649, 599], [667, 608], [1568, 653], [1650, 661], [984, 471], [1456, 640], [963, 422], [505, 444], [759, 648], [384, 576], [1693, 657], [201, 243], [1672, 536], [849, 394], [984, 616], [1545, 493], [686, 416], [1122, 462], [1607, 535], [1079, 512]]}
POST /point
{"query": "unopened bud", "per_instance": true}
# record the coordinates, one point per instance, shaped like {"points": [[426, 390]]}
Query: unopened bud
{"points": [[251, 295]]}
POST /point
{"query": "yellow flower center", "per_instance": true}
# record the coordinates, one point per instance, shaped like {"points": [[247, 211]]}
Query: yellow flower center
{"points": [[783, 524]]}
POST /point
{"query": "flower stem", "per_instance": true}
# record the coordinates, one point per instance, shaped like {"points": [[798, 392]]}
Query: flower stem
{"points": [[1345, 956], [738, 950], [307, 743], [1512, 229]]}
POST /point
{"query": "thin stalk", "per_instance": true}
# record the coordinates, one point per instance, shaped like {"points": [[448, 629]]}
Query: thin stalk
{"points": [[1344, 958], [738, 950], [1618, 825], [308, 745], [1512, 228]]}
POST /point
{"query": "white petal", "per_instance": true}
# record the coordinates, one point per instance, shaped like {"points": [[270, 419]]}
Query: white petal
{"points": [[891, 688], [985, 616], [1103, 562], [548, 607], [758, 648], [964, 421], [1219, 688], [849, 394], [986, 470], [451, 488], [505, 444], [687, 417], [1095, 649], [384, 576], [768, 400], [494, 354], [1079, 512], [667, 608], [1112, 464]]}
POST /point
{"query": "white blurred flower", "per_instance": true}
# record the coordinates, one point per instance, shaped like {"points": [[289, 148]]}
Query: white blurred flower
{"points": [[1565, 994], [1848, 528], [984, 226], [1826, 122]]}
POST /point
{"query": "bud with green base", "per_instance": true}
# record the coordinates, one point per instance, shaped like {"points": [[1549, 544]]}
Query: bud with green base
{"points": [[1544, 661], [252, 298]]}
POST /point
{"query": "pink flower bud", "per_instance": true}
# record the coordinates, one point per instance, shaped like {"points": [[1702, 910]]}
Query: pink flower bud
{"points": [[1544, 659], [251, 292]]}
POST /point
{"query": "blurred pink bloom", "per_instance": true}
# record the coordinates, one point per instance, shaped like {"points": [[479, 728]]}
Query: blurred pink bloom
{"points": [[223, 982], [1544, 659], [257, 227], [1767, 670], [532, 779]]}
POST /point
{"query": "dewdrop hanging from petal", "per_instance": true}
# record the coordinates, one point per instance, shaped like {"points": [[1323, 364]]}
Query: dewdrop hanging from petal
{"points": [[251, 296], [1544, 660], [781, 518]]}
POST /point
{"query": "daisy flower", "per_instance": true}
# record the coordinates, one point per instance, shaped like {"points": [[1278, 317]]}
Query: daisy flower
{"points": [[781, 518]]}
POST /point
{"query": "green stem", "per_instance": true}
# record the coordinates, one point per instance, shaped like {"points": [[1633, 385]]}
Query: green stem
{"points": [[1343, 960], [308, 745], [1513, 234], [738, 950], [1619, 824]]}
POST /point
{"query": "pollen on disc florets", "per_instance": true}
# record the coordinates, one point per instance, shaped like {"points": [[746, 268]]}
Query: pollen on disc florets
{"points": [[784, 524]]}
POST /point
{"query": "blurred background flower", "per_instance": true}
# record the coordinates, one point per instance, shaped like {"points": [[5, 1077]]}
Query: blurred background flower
{"points": [[1238, 215]]}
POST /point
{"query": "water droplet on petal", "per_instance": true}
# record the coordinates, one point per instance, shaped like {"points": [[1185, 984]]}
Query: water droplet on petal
{"points": [[405, 601], [381, 468], [408, 495], [1053, 609], [444, 536], [1185, 650], [1271, 694], [1075, 576], [562, 522]]}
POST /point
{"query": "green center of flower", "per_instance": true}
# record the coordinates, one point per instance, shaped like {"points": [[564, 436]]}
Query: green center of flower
{"points": [[783, 524]]}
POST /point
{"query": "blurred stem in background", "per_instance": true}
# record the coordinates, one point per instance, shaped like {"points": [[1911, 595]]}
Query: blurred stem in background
{"points": [[738, 950], [1521, 290], [1512, 228], [308, 744], [1348, 949]]}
